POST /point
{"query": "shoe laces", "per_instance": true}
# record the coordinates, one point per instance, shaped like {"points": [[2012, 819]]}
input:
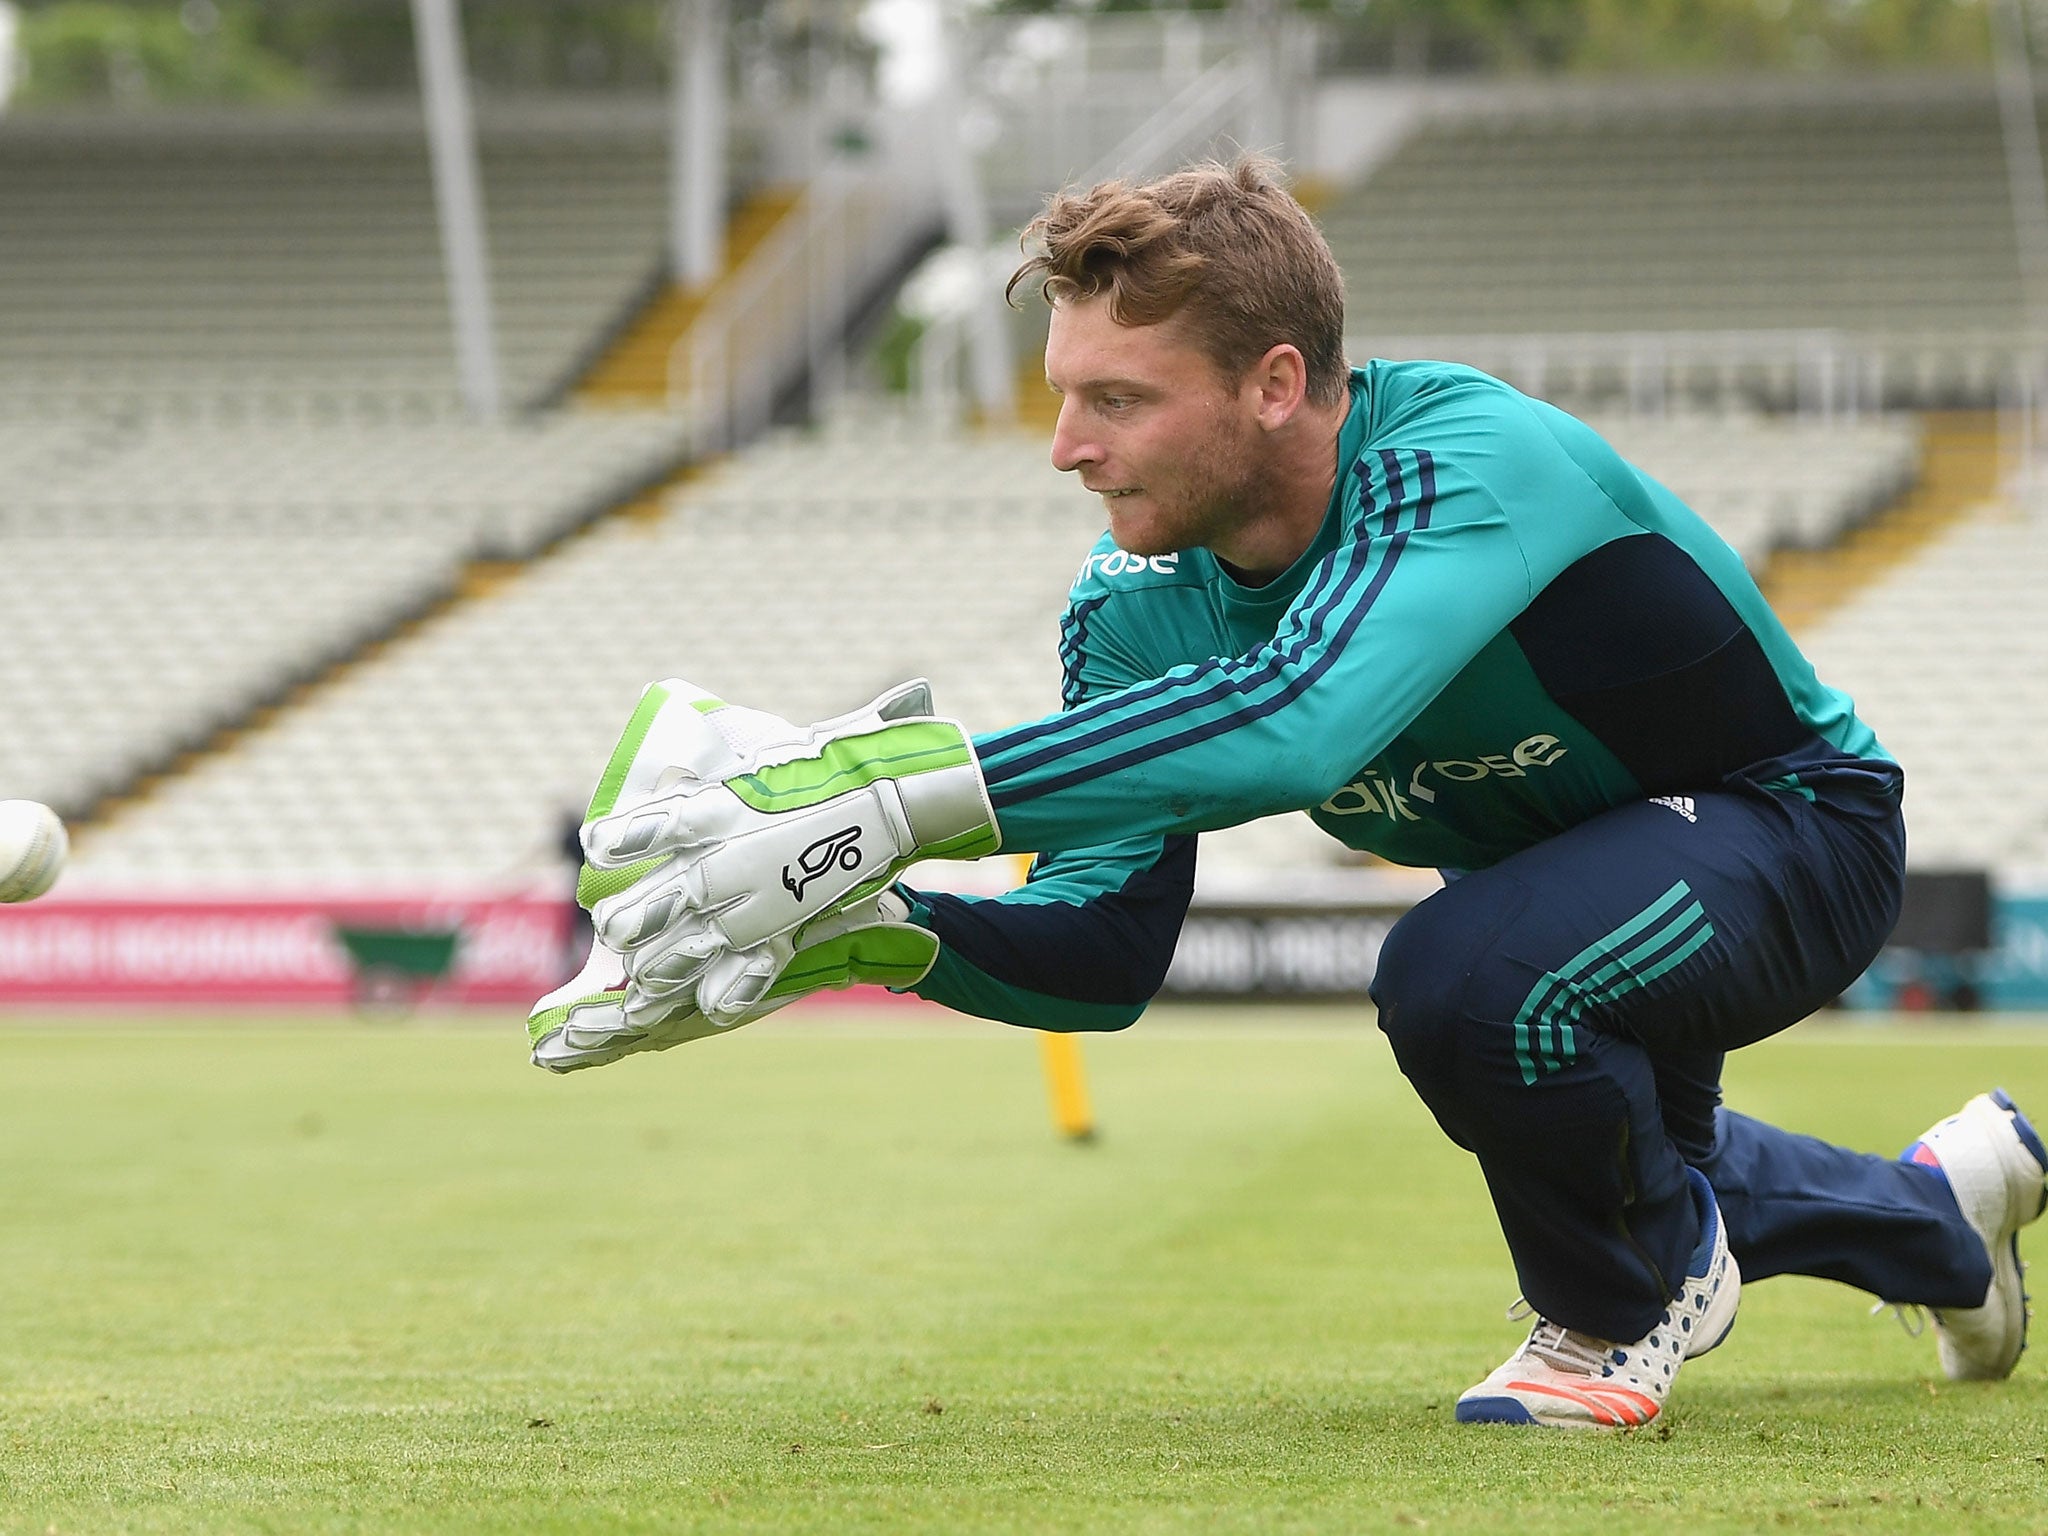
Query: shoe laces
{"points": [[1912, 1317], [1557, 1345]]}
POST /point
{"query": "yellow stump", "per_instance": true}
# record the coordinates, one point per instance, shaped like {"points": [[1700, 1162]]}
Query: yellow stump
{"points": [[1068, 1085], [1065, 1081]]}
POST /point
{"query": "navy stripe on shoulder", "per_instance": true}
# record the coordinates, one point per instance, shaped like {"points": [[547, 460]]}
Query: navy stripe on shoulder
{"points": [[1273, 668], [1333, 576], [1181, 700], [1073, 637]]}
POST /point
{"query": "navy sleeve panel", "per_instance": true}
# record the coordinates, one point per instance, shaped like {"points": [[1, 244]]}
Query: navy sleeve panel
{"points": [[1087, 939], [1113, 947], [1640, 645], [967, 990]]}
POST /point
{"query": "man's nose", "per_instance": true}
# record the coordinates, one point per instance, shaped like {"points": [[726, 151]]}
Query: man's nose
{"points": [[1071, 448]]}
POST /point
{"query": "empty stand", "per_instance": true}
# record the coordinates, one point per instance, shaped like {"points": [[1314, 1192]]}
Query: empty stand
{"points": [[455, 755], [473, 490], [227, 439], [1881, 213], [133, 645], [1945, 658], [171, 576], [1771, 482], [225, 348], [287, 255]]}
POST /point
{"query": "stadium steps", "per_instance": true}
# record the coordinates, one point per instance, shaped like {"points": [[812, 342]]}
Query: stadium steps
{"points": [[228, 737], [1959, 471], [478, 581], [633, 370], [1038, 408]]}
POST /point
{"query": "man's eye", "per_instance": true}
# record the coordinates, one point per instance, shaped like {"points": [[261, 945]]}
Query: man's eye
{"points": [[1118, 402]]}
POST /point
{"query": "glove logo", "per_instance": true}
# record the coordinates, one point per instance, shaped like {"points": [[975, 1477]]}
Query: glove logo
{"points": [[841, 848]]}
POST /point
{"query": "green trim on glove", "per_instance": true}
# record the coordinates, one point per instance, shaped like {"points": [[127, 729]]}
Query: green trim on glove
{"points": [[593, 885], [847, 763], [605, 798], [888, 955], [548, 1020], [977, 843]]}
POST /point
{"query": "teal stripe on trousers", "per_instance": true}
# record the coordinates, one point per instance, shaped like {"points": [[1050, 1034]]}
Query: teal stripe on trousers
{"points": [[1557, 1000]]}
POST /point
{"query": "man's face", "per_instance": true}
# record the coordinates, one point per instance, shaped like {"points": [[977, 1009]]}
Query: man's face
{"points": [[1151, 427]]}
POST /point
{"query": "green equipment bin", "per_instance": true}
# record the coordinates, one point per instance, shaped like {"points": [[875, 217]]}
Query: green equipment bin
{"points": [[396, 967]]}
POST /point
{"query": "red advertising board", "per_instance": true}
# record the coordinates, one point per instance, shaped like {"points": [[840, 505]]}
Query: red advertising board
{"points": [[506, 949], [272, 950]]}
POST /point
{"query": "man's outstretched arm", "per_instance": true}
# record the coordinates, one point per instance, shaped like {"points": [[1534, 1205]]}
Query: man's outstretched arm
{"points": [[716, 876], [1083, 945]]}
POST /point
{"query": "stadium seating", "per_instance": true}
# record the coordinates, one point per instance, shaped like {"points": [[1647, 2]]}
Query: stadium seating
{"points": [[803, 576], [1945, 658], [143, 642], [494, 491], [241, 335], [1880, 211], [455, 755], [249, 256], [1768, 482], [183, 574]]}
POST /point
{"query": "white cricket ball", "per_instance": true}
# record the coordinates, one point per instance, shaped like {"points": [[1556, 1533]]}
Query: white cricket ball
{"points": [[32, 849]]}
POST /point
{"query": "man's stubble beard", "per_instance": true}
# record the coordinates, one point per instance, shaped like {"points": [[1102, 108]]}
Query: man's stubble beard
{"points": [[1230, 478]]}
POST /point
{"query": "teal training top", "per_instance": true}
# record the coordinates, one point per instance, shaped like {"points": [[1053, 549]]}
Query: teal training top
{"points": [[1501, 629]]}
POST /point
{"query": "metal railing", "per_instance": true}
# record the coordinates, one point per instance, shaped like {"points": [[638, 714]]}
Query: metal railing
{"points": [[1207, 108], [782, 316], [1823, 373], [1068, 102]]}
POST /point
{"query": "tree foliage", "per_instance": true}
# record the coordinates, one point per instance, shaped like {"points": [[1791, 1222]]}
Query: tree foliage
{"points": [[99, 50], [135, 51], [1617, 36]]}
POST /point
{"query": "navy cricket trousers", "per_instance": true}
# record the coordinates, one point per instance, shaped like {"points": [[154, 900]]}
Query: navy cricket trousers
{"points": [[1564, 1014]]}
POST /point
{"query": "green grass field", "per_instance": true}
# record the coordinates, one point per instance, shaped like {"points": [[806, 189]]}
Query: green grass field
{"points": [[839, 1275]]}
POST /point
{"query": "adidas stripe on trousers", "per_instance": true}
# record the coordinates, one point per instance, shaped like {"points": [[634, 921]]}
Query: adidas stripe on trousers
{"points": [[1565, 1013]]}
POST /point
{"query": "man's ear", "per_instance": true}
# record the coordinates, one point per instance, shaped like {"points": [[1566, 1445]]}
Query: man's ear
{"points": [[1280, 379]]}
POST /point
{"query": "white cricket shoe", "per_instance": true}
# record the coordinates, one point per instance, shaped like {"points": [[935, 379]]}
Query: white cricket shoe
{"points": [[1566, 1380], [1995, 1164]]}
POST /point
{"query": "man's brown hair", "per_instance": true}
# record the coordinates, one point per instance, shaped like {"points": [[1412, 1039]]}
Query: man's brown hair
{"points": [[1224, 246]]}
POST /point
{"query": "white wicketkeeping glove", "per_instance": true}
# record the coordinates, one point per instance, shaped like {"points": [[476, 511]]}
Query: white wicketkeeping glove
{"points": [[680, 735], [583, 1022], [703, 884]]}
